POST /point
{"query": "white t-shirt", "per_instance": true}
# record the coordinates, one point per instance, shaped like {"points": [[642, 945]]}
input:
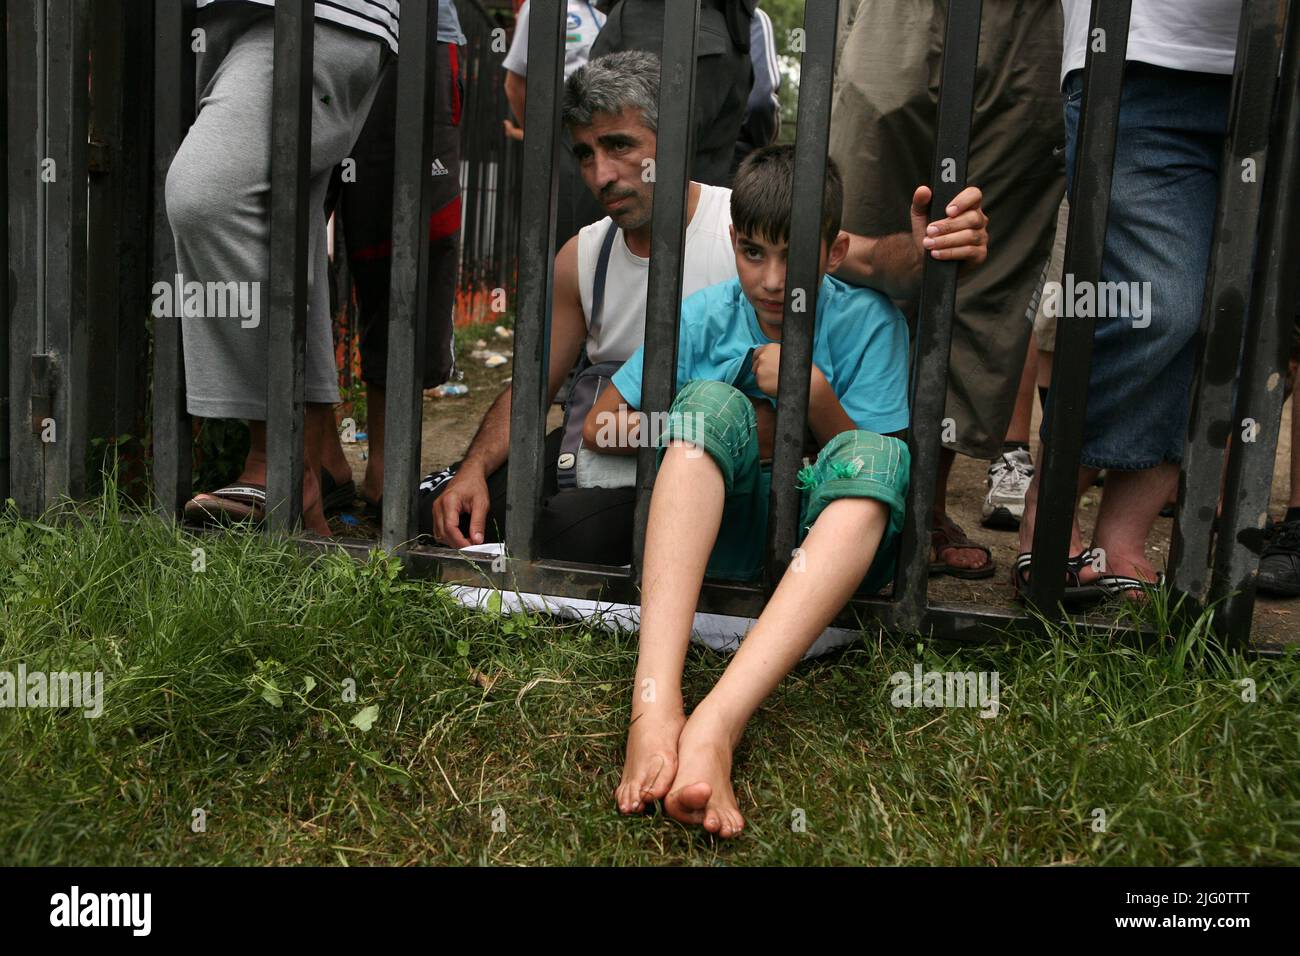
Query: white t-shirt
{"points": [[1195, 35], [580, 31], [708, 259]]}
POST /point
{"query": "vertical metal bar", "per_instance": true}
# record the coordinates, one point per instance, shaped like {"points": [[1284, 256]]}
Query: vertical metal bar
{"points": [[1085, 244], [408, 295], [173, 105], [118, 279], [25, 46], [663, 306], [1227, 290], [935, 311], [286, 293], [812, 137], [64, 319], [4, 250], [536, 276], [1264, 363]]}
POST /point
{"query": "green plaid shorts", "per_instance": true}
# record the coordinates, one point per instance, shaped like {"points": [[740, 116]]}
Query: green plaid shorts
{"points": [[719, 419]]}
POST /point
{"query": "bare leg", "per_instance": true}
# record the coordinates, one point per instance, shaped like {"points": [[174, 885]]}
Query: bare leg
{"points": [[372, 489], [961, 557], [1086, 476], [1294, 501], [255, 465], [1018, 429], [331, 449], [1130, 505], [685, 514], [837, 553]]}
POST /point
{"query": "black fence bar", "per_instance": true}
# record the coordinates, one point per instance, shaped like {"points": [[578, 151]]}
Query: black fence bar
{"points": [[174, 105], [4, 250], [286, 293], [663, 304], [118, 280], [935, 311], [25, 46], [409, 272], [1269, 330], [63, 375], [812, 137], [537, 205], [1085, 243], [1227, 290]]}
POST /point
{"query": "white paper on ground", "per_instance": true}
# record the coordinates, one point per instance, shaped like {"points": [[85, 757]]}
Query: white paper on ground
{"points": [[721, 632]]}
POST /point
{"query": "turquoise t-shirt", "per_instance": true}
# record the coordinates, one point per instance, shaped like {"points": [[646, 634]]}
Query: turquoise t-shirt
{"points": [[859, 343]]}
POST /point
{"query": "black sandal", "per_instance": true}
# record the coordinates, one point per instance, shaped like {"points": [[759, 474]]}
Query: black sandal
{"points": [[336, 497], [1076, 592]]}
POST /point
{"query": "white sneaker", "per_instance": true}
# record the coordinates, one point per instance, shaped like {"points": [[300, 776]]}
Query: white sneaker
{"points": [[1008, 480]]}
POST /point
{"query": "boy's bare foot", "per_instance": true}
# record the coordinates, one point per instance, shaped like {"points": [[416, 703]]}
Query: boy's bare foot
{"points": [[651, 759], [703, 793]]}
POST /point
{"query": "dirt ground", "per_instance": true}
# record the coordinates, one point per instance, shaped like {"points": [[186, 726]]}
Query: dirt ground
{"points": [[450, 423]]}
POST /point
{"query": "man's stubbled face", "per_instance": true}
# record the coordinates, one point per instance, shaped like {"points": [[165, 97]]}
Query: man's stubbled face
{"points": [[616, 155]]}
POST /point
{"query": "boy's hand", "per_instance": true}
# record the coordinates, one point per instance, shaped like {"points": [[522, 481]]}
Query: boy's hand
{"points": [[963, 235], [767, 368]]}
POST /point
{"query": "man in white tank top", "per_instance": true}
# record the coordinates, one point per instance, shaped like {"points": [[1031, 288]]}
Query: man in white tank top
{"points": [[611, 112]]}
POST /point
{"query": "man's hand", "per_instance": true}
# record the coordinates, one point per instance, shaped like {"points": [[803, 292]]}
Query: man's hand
{"points": [[513, 131], [467, 492], [963, 235]]}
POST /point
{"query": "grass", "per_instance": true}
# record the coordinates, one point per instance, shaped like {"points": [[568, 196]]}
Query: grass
{"points": [[497, 740]]}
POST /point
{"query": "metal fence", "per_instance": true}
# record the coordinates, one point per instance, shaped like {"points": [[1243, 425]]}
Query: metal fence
{"points": [[58, 377]]}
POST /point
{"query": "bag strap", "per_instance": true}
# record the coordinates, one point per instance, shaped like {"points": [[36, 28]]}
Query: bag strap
{"points": [[598, 284]]}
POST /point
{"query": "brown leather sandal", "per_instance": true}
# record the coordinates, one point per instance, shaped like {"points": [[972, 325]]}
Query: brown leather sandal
{"points": [[950, 537]]}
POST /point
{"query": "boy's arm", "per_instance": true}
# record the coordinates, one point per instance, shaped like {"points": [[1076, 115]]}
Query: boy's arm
{"points": [[892, 264], [610, 420], [826, 416]]}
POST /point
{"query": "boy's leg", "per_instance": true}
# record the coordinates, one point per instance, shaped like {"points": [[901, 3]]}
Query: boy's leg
{"points": [[855, 498], [710, 465], [837, 553], [685, 513]]}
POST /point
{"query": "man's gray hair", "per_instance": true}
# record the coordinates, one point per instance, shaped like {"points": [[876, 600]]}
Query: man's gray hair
{"points": [[612, 83]]}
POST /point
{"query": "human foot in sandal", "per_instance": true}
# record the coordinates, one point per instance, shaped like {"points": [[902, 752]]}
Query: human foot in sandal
{"points": [[1076, 591], [240, 501], [951, 552]]}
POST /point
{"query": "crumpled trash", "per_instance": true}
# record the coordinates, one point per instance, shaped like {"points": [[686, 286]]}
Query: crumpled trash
{"points": [[490, 358], [448, 390], [504, 333]]}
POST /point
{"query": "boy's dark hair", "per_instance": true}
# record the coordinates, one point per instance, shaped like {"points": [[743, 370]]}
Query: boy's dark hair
{"points": [[761, 195]]}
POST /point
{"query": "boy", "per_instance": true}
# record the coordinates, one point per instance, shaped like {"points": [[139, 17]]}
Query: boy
{"points": [[708, 513]]}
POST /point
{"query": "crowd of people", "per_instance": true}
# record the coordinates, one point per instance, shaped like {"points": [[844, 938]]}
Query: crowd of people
{"points": [[708, 511]]}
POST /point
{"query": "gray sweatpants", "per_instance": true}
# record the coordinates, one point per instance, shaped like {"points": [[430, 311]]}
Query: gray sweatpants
{"points": [[219, 202]]}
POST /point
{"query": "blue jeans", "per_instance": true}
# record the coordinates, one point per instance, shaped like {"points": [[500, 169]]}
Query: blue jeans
{"points": [[1162, 204]]}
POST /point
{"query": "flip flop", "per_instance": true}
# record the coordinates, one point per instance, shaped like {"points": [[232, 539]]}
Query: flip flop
{"points": [[951, 537], [228, 505], [1119, 586], [334, 496], [1076, 592], [374, 509]]}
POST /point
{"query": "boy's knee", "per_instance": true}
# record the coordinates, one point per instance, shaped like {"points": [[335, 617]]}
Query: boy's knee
{"points": [[709, 397]]}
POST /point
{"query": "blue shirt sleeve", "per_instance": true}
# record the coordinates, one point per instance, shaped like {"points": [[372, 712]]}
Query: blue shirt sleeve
{"points": [[872, 385], [628, 378]]}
